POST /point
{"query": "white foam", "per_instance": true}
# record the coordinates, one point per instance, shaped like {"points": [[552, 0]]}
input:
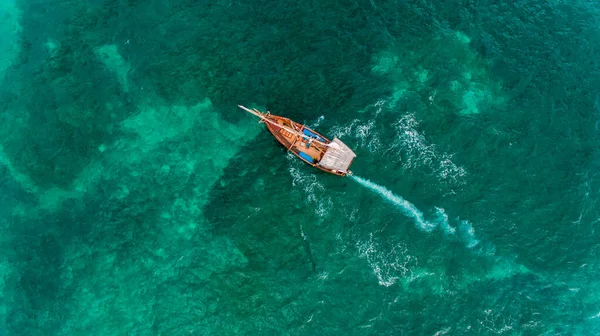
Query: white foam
{"points": [[443, 332], [387, 267], [368, 136], [405, 206], [496, 322], [409, 145], [379, 105], [364, 132], [311, 187], [318, 122], [467, 232], [443, 221], [419, 152], [343, 131]]}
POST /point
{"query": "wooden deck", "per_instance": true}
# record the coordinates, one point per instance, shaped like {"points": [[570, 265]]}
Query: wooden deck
{"points": [[313, 151], [293, 142], [286, 138]]}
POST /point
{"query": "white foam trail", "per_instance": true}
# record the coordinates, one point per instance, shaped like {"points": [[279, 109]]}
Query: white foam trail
{"points": [[469, 232], [405, 206], [466, 230], [443, 221]]}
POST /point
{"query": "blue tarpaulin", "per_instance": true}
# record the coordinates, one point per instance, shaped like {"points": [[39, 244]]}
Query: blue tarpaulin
{"points": [[306, 157], [312, 135]]}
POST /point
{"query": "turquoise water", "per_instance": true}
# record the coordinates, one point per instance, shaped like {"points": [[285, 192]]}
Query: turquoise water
{"points": [[138, 199]]}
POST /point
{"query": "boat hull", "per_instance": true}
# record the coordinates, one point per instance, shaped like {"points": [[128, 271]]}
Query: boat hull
{"points": [[308, 145], [309, 154]]}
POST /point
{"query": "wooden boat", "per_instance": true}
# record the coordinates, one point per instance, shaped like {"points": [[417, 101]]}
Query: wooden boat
{"points": [[311, 147]]}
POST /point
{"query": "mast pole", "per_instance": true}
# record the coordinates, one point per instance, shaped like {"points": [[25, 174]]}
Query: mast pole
{"points": [[254, 111], [265, 119]]}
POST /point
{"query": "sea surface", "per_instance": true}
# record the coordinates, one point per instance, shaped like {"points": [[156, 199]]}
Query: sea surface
{"points": [[136, 198]]}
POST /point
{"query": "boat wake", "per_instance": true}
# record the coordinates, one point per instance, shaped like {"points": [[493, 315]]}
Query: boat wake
{"points": [[409, 146], [388, 267], [311, 187], [405, 206], [466, 230]]}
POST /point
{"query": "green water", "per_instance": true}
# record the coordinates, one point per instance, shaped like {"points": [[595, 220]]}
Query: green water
{"points": [[138, 199]]}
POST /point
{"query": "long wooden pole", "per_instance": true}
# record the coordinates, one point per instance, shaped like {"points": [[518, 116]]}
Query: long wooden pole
{"points": [[264, 118]]}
